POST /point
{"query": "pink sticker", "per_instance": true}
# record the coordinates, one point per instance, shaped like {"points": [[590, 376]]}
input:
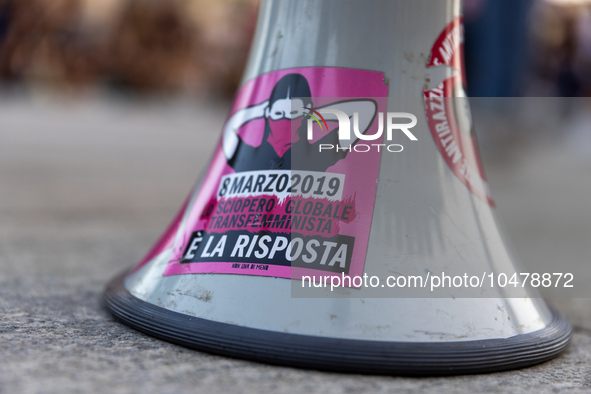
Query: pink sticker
{"points": [[259, 210]]}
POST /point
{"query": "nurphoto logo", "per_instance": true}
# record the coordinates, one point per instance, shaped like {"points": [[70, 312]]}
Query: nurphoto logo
{"points": [[347, 140]]}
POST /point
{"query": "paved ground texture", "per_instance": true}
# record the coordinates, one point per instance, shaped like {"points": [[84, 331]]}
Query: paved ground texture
{"points": [[86, 187]]}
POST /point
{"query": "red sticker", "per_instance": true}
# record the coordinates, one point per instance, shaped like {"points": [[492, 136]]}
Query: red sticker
{"points": [[448, 49], [449, 116]]}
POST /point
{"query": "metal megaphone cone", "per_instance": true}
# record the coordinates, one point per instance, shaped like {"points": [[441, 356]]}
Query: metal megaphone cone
{"points": [[348, 157]]}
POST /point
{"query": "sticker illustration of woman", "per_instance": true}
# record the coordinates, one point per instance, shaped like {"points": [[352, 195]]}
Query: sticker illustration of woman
{"points": [[290, 101]]}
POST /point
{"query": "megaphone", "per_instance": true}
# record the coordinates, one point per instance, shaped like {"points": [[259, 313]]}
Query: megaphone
{"points": [[349, 151]]}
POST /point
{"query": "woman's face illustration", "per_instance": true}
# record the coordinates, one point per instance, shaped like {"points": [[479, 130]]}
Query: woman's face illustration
{"points": [[286, 109]]}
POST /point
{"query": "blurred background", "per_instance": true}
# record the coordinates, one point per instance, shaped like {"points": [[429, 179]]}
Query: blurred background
{"points": [[197, 47], [129, 46], [529, 48]]}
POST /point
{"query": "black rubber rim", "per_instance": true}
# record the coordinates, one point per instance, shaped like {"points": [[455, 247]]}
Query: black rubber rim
{"points": [[335, 354]]}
